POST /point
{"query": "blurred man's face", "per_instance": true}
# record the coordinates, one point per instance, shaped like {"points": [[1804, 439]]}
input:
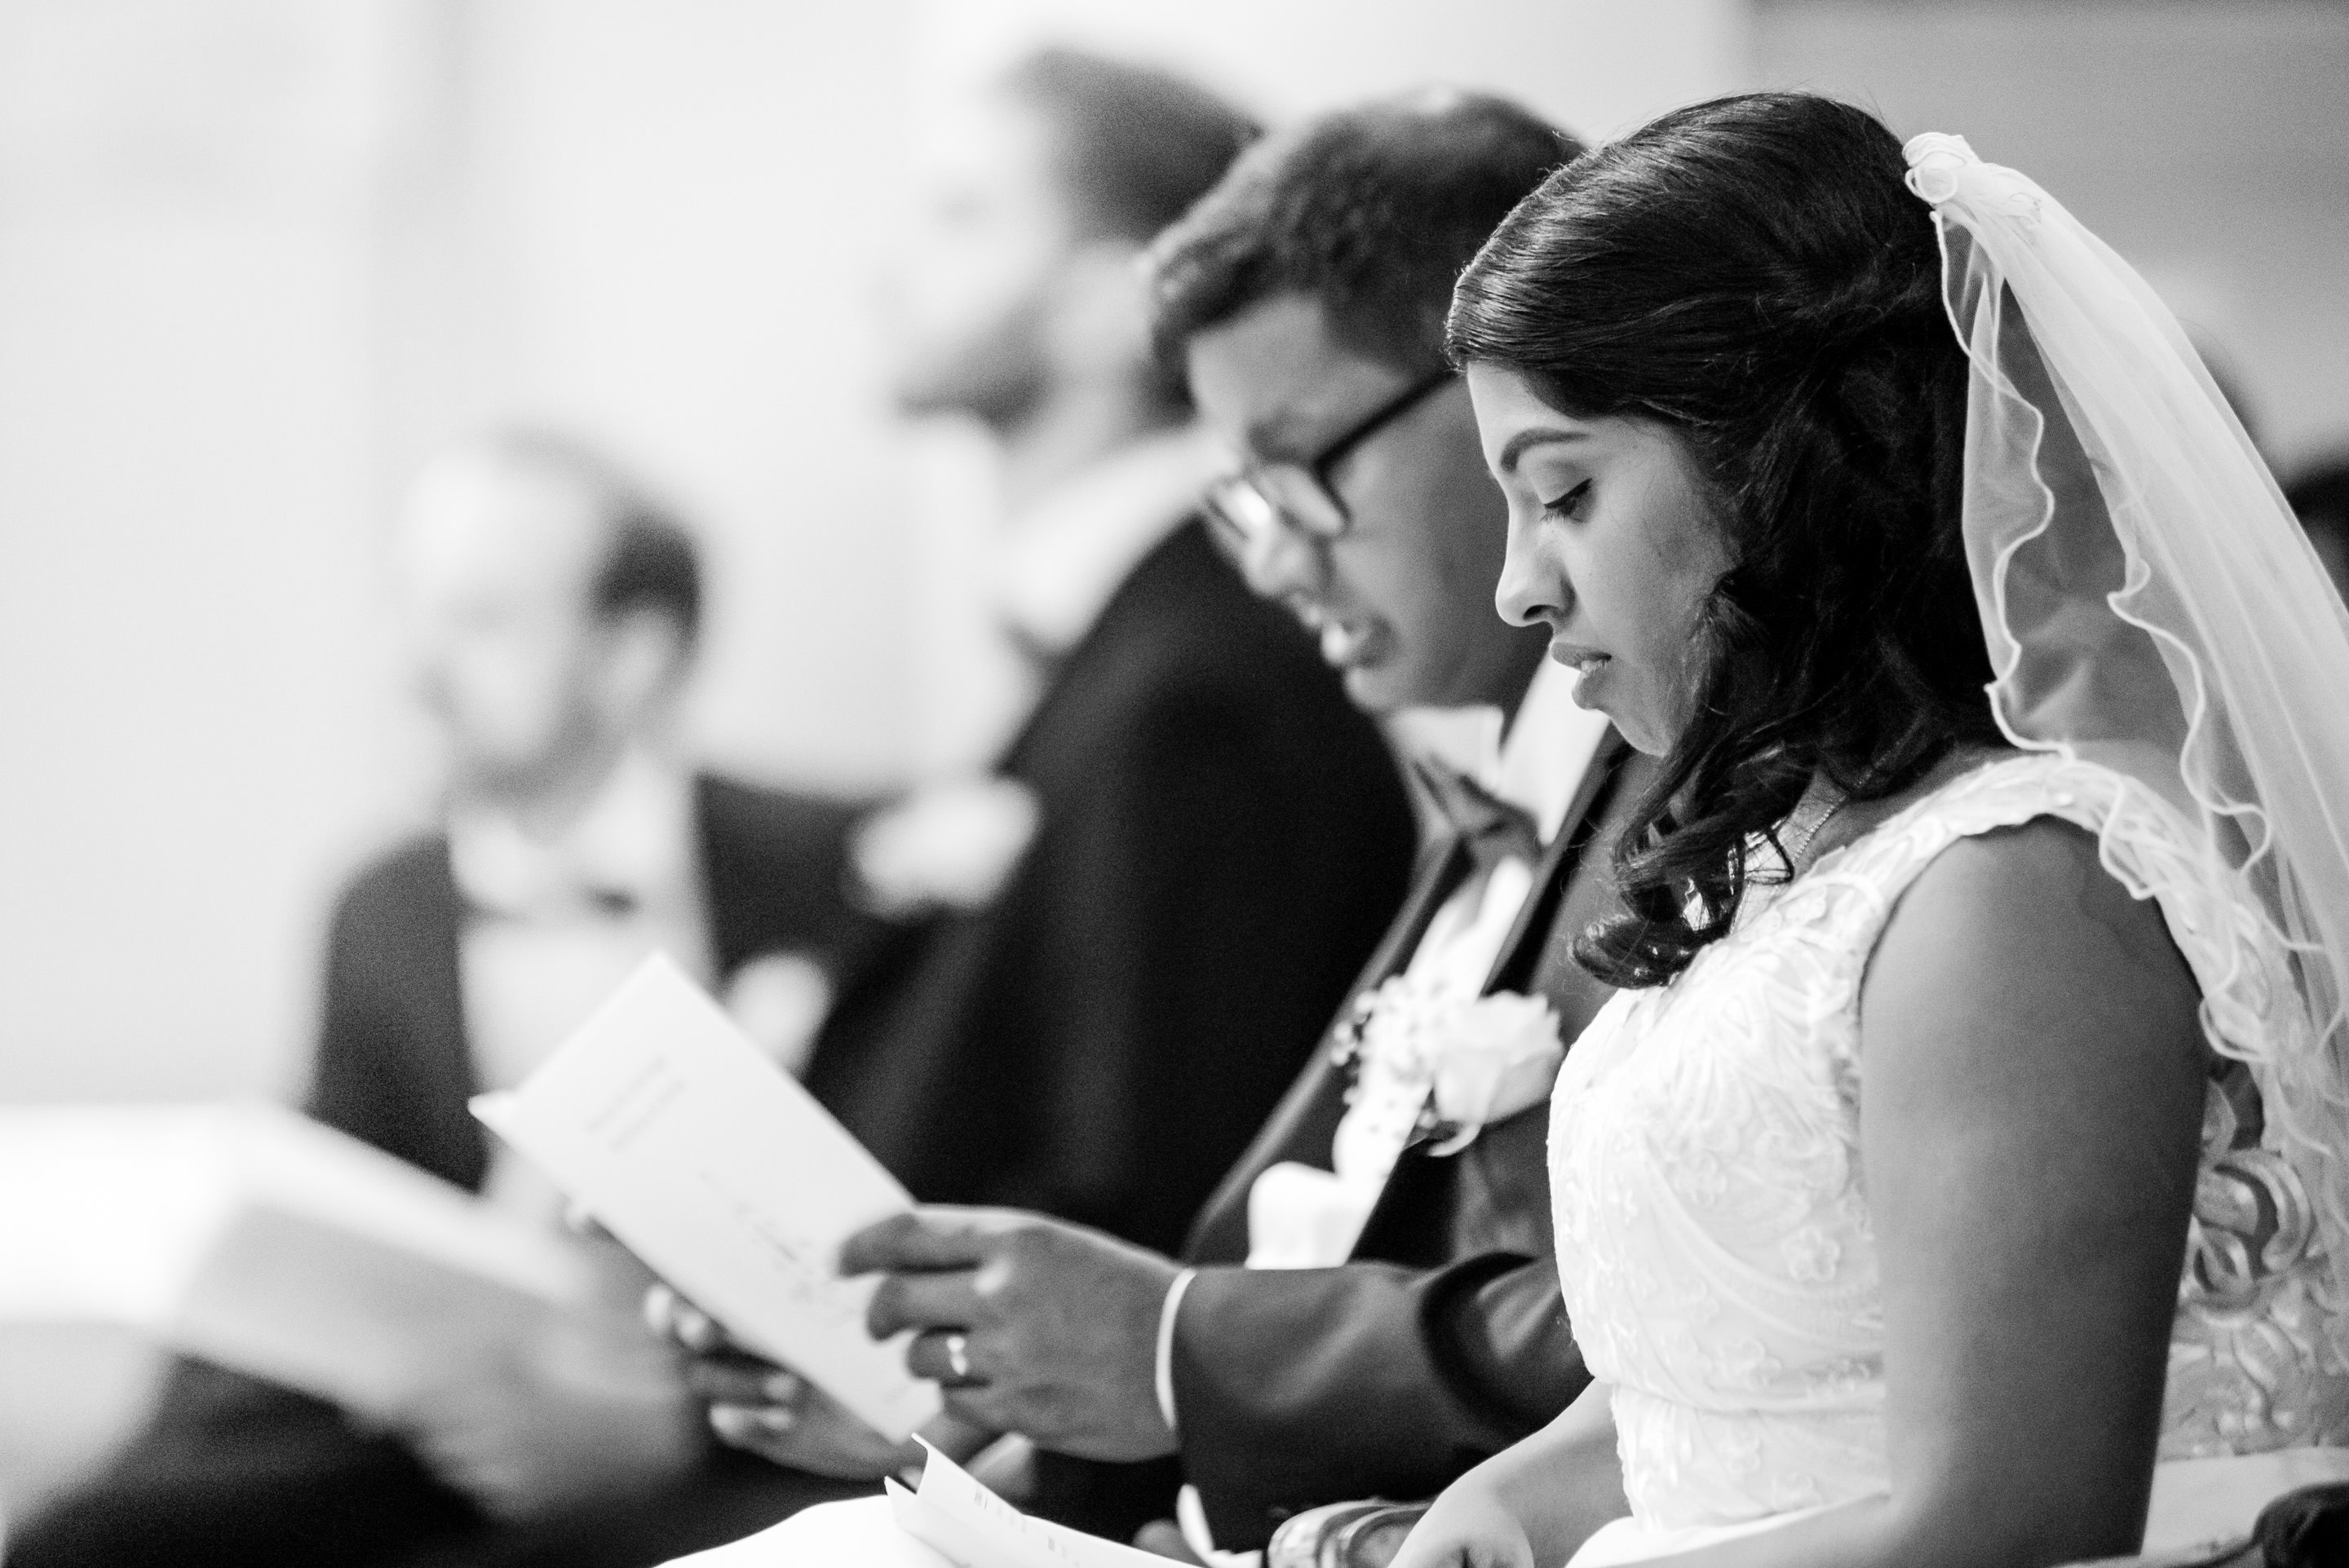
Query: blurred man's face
{"points": [[1401, 602], [497, 564], [966, 303]]}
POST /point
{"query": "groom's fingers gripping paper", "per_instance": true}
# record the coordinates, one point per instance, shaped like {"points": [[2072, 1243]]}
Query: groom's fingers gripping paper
{"points": [[935, 1237], [925, 1301], [932, 1356], [741, 1380]]}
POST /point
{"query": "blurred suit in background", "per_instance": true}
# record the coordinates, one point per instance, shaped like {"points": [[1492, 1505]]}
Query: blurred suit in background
{"points": [[553, 615], [1197, 837]]}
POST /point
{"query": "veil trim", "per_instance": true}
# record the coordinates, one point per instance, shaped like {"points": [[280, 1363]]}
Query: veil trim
{"points": [[2123, 629]]}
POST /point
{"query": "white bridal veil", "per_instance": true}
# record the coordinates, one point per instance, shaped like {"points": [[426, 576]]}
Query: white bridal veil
{"points": [[2150, 603]]}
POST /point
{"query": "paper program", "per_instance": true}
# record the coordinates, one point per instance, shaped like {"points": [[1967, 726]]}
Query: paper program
{"points": [[725, 1177]]}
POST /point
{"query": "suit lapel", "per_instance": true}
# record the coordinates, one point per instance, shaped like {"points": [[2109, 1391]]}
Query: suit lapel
{"points": [[1513, 966], [1416, 1214], [452, 1144], [1306, 1121], [729, 862]]}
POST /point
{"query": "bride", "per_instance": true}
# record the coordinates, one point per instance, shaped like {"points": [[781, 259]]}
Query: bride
{"points": [[1960, 1174]]}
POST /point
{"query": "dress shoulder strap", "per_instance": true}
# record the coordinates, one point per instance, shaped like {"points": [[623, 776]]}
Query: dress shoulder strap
{"points": [[2143, 841]]}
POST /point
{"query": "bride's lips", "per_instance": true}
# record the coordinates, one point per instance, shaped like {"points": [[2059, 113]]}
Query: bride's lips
{"points": [[1574, 656], [1585, 662]]}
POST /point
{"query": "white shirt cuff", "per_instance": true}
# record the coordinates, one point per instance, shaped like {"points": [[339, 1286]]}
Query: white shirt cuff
{"points": [[1163, 1375]]}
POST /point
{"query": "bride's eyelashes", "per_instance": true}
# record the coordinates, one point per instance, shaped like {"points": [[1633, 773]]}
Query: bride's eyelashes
{"points": [[1569, 505]]}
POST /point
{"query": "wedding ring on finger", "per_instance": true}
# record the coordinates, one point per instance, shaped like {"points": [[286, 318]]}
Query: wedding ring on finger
{"points": [[943, 1355]]}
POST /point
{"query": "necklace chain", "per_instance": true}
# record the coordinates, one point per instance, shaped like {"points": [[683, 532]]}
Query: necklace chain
{"points": [[1796, 850]]}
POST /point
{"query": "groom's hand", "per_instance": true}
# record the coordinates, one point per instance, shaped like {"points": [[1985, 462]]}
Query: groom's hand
{"points": [[1058, 1325]]}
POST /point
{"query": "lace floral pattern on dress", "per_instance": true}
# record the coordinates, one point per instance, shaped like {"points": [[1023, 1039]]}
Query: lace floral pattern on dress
{"points": [[1713, 1236]]}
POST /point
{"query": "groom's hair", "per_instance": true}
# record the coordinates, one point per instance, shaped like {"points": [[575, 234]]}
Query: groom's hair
{"points": [[1372, 211]]}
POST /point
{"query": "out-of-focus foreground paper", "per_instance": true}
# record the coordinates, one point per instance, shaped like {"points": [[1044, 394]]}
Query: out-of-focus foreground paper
{"points": [[863, 1533], [972, 1527], [720, 1172], [257, 1239], [952, 1522]]}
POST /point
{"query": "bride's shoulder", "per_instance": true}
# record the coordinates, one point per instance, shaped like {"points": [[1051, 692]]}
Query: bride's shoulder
{"points": [[2002, 873], [2012, 919], [2003, 843]]}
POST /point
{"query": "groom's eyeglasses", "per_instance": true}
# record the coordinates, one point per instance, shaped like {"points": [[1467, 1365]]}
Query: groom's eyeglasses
{"points": [[1248, 505]]}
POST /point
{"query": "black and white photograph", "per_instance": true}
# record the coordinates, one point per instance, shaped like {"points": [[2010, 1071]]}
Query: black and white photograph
{"points": [[1260, 783]]}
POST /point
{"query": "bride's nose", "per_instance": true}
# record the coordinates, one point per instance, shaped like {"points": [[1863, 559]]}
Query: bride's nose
{"points": [[1531, 589]]}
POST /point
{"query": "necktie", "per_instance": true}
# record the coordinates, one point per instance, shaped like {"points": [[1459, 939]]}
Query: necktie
{"points": [[1492, 829]]}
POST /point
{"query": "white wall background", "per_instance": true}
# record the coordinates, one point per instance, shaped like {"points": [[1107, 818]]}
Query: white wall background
{"points": [[2208, 142], [674, 212], [189, 674], [1596, 67]]}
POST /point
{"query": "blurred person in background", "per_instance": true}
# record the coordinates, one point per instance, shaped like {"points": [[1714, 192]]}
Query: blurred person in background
{"points": [[1363, 1312], [1117, 948], [552, 615], [2319, 498]]}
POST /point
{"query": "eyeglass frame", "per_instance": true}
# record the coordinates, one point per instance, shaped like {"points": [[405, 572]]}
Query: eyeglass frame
{"points": [[1316, 470]]}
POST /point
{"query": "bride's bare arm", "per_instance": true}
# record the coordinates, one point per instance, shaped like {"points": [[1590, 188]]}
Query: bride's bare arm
{"points": [[2034, 1077], [2030, 1132], [1532, 1504]]}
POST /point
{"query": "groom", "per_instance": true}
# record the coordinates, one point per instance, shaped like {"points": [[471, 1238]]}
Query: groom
{"points": [[1413, 1323]]}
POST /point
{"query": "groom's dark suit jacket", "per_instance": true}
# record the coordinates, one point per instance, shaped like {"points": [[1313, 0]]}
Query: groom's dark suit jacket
{"points": [[1222, 836], [1445, 1339]]}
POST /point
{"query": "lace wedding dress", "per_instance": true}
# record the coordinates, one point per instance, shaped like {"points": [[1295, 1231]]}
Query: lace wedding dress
{"points": [[1713, 1234]]}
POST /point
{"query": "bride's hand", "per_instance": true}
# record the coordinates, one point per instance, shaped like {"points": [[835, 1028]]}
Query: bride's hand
{"points": [[1470, 1527], [1534, 1503]]}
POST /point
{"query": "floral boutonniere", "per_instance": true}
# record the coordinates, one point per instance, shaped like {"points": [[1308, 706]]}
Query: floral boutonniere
{"points": [[1460, 1061]]}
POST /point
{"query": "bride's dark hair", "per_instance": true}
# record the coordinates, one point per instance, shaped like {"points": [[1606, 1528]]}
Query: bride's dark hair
{"points": [[1753, 273]]}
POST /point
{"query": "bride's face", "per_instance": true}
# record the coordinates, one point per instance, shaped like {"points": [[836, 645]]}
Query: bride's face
{"points": [[1613, 545]]}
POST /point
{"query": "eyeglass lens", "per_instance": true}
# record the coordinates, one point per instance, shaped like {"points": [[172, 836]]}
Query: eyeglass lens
{"points": [[1249, 505]]}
